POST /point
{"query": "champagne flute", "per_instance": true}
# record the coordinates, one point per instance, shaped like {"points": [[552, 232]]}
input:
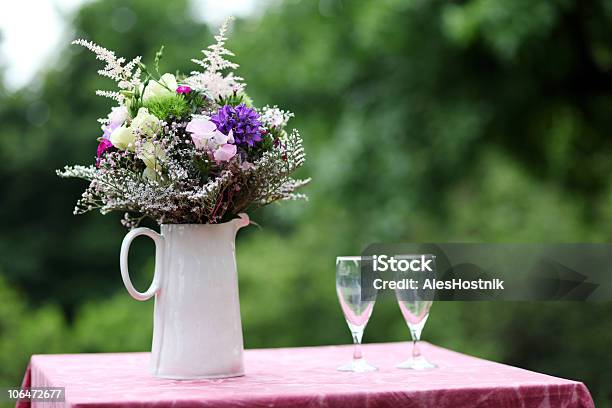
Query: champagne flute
{"points": [[356, 311], [415, 310]]}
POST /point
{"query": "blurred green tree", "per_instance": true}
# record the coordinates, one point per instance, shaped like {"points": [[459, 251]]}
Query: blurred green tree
{"points": [[475, 120]]}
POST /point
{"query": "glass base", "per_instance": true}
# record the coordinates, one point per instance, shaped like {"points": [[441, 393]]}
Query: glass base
{"points": [[359, 365], [418, 363]]}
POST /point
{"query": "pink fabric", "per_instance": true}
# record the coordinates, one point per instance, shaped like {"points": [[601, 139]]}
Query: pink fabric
{"points": [[307, 377]]}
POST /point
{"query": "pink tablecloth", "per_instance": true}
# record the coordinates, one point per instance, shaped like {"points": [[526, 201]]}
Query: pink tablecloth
{"points": [[306, 377]]}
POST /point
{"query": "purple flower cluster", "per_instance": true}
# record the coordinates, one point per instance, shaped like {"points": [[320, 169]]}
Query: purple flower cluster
{"points": [[243, 122]]}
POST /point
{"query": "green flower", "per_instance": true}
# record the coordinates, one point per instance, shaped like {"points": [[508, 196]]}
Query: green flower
{"points": [[165, 86]]}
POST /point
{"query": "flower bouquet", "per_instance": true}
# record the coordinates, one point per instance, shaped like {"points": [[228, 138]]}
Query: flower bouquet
{"points": [[192, 153], [187, 149]]}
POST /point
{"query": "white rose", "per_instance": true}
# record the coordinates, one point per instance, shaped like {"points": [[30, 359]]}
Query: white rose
{"points": [[123, 138], [166, 86], [147, 124]]}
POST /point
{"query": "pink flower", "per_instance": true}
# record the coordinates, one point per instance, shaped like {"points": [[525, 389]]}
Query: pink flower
{"points": [[202, 132], [104, 145], [225, 152], [183, 89], [205, 135], [116, 118]]}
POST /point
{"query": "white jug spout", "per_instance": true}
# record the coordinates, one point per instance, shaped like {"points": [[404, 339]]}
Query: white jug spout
{"points": [[240, 222]]}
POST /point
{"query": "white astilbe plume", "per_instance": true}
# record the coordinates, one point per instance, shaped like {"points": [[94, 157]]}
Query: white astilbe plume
{"points": [[215, 84], [214, 60], [112, 95], [127, 75], [274, 117], [212, 80]]}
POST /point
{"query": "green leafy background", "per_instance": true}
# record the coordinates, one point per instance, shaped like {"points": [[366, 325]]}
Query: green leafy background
{"points": [[424, 121]]}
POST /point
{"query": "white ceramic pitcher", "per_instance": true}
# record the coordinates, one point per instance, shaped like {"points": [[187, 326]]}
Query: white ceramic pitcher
{"points": [[197, 331]]}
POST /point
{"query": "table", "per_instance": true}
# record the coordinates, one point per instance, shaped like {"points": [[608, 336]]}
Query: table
{"points": [[306, 377]]}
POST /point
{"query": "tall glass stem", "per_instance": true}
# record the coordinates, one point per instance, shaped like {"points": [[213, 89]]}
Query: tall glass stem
{"points": [[357, 345], [416, 352]]}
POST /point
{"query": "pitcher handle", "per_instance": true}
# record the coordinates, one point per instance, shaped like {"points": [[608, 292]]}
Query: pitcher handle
{"points": [[125, 274]]}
